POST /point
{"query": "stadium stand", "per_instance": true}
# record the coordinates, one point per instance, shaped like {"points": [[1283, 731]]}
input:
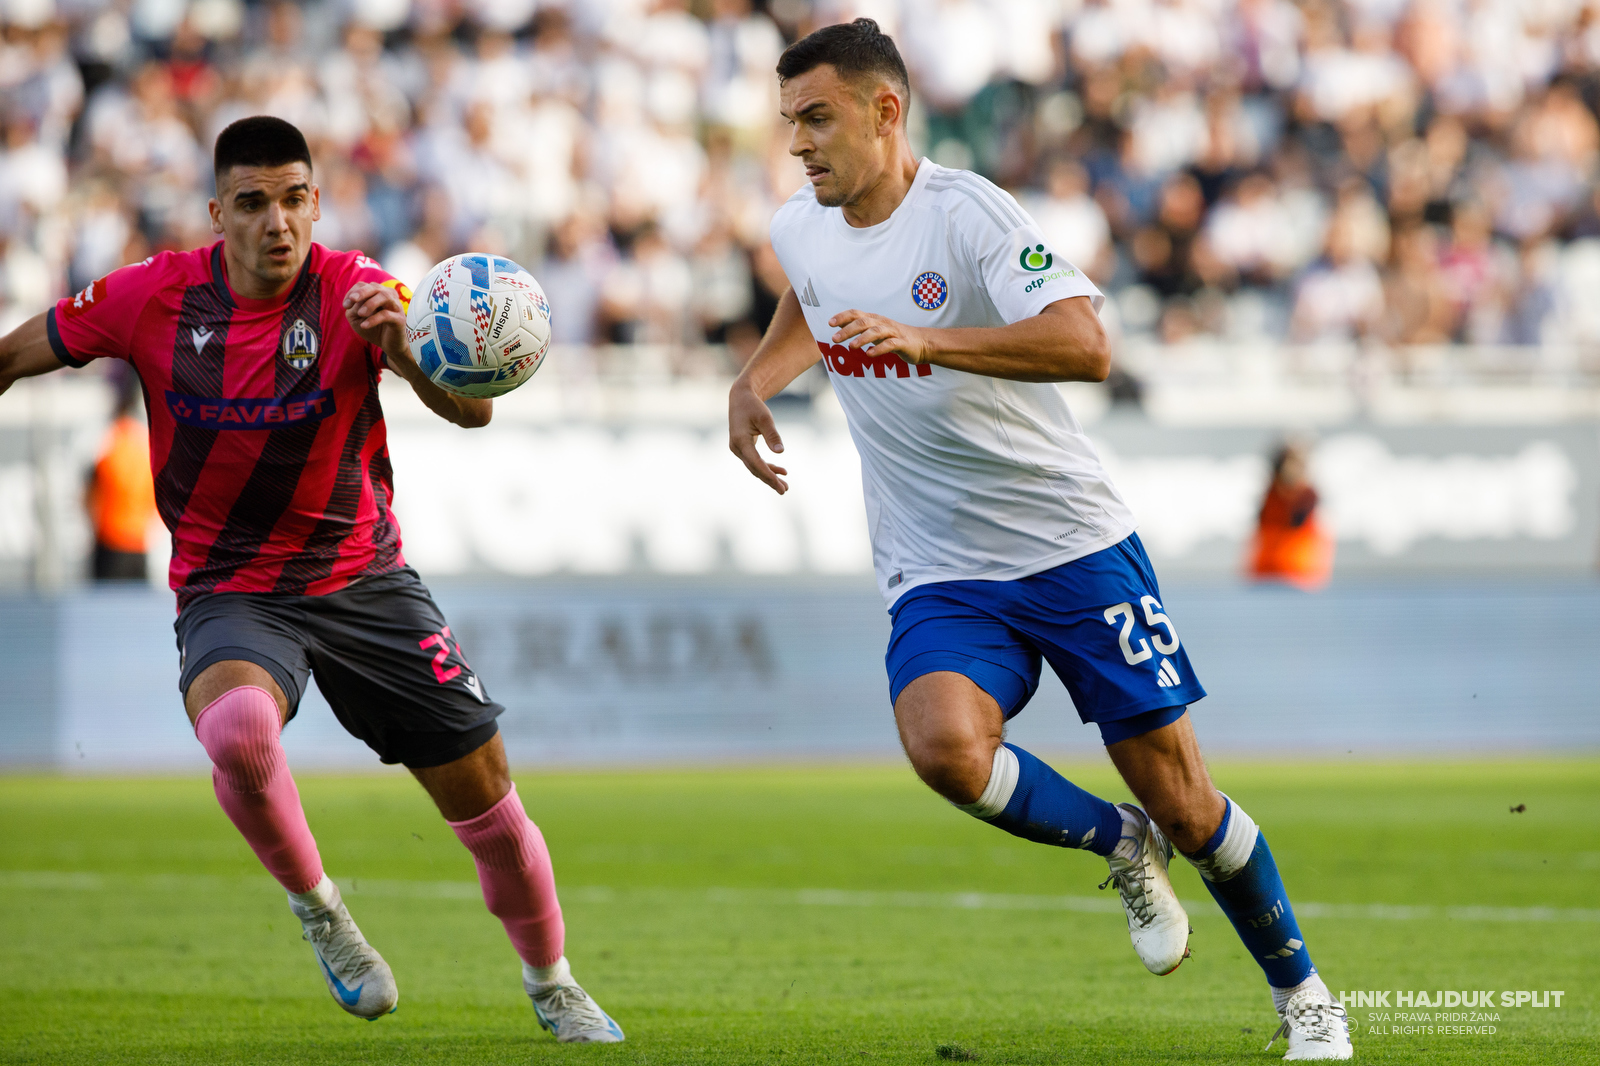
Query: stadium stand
{"points": [[1382, 171]]}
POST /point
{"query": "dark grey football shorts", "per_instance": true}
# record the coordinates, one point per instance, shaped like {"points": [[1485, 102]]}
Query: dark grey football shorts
{"points": [[381, 652]]}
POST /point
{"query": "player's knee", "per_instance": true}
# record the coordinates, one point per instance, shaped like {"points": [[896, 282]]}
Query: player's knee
{"points": [[239, 731], [956, 767]]}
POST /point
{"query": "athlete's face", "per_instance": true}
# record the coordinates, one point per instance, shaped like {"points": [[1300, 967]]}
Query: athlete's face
{"points": [[844, 132], [264, 215]]}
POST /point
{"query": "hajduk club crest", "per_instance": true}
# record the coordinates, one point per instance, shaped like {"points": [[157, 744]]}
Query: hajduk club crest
{"points": [[300, 345]]}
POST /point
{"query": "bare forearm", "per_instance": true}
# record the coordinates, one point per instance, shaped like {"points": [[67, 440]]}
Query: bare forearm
{"points": [[26, 352], [785, 352], [1056, 345], [464, 411]]}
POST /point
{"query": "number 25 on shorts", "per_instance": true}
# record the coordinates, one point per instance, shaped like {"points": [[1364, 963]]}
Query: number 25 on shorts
{"points": [[1153, 617]]}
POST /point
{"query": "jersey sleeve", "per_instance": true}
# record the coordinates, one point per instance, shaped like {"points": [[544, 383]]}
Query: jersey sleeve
{"points": [[780, 233], [1015, 263], [99, 322], [363, 268]]}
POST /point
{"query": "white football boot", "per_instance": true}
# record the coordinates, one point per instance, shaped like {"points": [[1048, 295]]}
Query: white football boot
{"points": [[564, 1008], [357, 977], [1317, 1027], [1157, 922]]}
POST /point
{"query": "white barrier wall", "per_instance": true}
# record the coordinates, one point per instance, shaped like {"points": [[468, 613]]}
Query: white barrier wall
{"points": [[627, 480], [672, 500]]}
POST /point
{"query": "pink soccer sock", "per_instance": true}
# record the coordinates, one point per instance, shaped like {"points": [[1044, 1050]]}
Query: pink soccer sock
{"points": [[239, 730], [519, 884]]}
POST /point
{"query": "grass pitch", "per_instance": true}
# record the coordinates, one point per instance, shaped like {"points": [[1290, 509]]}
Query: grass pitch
{"points": [[838, 915]]}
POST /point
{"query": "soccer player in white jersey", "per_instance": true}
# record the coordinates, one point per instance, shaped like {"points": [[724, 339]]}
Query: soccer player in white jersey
{"points": [[943, 318]]}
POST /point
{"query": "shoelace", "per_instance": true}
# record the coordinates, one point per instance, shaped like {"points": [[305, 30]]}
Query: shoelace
{"points": [[1131, 887], [1315, 1021], [339, 951], [575, 1002]]}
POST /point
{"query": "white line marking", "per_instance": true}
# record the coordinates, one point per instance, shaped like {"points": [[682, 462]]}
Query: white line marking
{"points": [[54, 881]]}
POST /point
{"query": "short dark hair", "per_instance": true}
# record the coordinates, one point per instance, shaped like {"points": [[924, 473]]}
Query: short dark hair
{"points": [[855, 49], [259, 141]]}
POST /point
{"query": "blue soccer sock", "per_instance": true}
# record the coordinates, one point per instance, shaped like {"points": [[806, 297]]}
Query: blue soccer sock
{"points": [[1238, 870], [1028, 799]]}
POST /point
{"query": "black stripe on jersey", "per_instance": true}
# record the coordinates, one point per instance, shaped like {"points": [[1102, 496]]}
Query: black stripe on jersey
{"points": [[385, 534], [321, 549], [206, 313], [270, 489]]}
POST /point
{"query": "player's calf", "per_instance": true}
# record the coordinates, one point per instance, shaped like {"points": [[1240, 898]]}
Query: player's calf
{"points": [[1027, 798], [1239, 871], [519, 884], [250, 775], [519, 888]]}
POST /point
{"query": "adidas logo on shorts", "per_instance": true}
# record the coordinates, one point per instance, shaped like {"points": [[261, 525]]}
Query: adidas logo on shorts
{"points": [[1167, 675]]}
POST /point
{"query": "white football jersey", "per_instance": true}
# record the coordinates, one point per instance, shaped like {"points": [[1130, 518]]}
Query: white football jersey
{"points": [[966, 476]]}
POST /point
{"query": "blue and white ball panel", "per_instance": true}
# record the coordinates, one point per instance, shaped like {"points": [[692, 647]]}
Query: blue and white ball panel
{"points": [[1098, 621], [481, 326]]}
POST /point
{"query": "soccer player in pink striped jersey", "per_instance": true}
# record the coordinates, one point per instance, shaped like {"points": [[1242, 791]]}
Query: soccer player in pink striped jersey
{"points": [[260, 357]]}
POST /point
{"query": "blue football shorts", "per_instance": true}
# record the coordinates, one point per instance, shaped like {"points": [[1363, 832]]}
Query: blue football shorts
{"points": [[1097, 620]]}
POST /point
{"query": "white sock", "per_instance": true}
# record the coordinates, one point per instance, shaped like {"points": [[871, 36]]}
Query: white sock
{"points": [[1280, 996], [319, 895], [1003, 774], [1238, 844], [558, 972]]}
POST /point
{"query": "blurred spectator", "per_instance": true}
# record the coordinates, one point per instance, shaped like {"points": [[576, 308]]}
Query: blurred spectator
{"points": [[1468, 268], [575, 268], [1196, 156], [1073, 223], [1417, 304], [1290, 546], [1250, 234], [120, 496], [645, 297], [1341, 297]]}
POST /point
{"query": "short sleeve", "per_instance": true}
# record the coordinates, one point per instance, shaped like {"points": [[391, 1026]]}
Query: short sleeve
{"points": [[1020, 272], [779, 234], [364, 268], [100, 321]]}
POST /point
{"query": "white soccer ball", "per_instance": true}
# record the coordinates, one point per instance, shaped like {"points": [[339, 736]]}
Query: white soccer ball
{"points": [[478, 325]]}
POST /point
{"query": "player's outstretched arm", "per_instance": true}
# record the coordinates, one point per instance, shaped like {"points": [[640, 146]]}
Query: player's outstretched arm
{"points": [[375, 313], [784, 354], [1064, 342], [25, 352]]}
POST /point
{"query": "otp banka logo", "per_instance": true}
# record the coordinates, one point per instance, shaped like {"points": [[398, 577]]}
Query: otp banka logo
{"points": [[300, 345], [1035, 260]]}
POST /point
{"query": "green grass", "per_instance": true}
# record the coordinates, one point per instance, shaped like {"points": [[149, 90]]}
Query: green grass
{"points": [[137, 927]]}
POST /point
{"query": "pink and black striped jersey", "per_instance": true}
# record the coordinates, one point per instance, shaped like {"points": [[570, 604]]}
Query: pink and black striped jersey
{"points": [[266, 438]]}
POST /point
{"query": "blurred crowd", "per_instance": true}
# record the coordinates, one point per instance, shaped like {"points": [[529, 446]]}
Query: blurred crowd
{"points": [[1404, 172]]}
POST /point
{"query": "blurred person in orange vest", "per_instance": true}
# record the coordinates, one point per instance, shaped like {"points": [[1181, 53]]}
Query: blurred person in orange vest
{"points": [[1290, 546], [121, 497]]}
